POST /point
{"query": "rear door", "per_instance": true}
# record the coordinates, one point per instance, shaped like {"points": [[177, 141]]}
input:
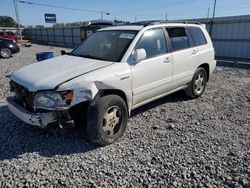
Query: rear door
{"points": [[206, 52], [185, 55], [153, 76]]}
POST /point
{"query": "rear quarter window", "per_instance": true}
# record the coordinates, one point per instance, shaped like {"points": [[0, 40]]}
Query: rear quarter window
{"points": [[197, 36], [178, 39]]}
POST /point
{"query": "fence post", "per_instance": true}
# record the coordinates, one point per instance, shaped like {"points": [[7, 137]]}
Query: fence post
{"points": [[36, 34], [72, 36], [211, 28], [47, 35], [63, 36], [53, 29]]}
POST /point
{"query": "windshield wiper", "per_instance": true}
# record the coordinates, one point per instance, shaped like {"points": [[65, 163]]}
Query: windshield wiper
{"points": [[91, 57]]}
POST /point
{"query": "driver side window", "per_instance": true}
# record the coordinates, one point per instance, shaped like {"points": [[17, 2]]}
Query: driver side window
{"points": [[153, 42]]}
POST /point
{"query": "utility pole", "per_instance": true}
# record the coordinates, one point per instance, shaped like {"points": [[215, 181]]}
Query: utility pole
{"points": [[208, 13], [215, 2], [166, 17], [211, 23], [17, 18], [135, 19]]}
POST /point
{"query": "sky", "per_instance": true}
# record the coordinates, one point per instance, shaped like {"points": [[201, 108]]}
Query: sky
{"points": [[129, 10]]}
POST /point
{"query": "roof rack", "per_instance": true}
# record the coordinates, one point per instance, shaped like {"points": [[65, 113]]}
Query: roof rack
{"points": [[156, 22], [141, 23], [173, 21]]}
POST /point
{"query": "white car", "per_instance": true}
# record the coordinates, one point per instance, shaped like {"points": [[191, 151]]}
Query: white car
{"points": [[114, 71]]}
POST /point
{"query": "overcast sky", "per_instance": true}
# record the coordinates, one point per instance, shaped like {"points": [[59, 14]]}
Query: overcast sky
{"points": [[123, 9]]}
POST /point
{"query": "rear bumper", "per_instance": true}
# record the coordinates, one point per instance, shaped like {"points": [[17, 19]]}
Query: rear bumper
{"points": [[36, 119]]}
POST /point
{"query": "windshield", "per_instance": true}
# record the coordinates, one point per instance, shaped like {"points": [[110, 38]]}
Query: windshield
{"points": [[106, 45]]}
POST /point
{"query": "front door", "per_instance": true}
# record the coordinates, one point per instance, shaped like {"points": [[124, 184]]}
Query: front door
{"points": [[152, 77]]}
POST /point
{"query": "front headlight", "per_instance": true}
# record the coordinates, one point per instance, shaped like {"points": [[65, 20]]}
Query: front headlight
{"points": [[51, 100]]}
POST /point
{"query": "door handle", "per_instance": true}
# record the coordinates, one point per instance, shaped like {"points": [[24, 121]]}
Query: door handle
{"points": [[167, 60]]}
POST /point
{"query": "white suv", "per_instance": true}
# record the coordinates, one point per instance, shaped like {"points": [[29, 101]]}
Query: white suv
{"points": [[114, 71]]}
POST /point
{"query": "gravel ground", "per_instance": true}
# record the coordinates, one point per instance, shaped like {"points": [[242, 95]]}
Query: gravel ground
{"points": [[172, 142]]}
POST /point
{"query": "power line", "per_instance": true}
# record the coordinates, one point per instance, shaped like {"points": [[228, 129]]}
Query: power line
{"points": [[61, 7], [233, 7], [163, 15], [82, 10], [164, 6]]}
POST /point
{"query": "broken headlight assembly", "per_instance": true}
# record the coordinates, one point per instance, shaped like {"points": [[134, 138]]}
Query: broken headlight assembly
{"points": [[53, 100]]}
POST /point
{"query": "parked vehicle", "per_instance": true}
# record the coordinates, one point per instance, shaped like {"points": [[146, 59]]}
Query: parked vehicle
{"points": [[8, 35], [114, 71], [8, 47]]}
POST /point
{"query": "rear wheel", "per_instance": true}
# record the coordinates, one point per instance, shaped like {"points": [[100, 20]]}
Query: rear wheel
{"points": [[198, 84], [5, 52], [107, 119]]}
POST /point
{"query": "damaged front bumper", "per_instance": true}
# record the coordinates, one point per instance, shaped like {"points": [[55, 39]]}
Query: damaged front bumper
{"points": [[38, 119]]}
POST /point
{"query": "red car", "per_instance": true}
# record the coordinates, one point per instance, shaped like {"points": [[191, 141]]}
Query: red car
{"points": [[9, 35]]}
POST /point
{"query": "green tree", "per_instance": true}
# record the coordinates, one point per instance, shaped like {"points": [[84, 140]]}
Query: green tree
{"points": [[58, 25], [120, 21], [39, 26], [71, 24], [6, 21]]}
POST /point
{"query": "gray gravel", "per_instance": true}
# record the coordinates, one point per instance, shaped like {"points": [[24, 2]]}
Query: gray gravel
{"points": [[172, 142]]}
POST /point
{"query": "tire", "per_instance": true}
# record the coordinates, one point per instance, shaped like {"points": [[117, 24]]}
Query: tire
{"points": [[198, 84], [107, 119], [5, 53]]}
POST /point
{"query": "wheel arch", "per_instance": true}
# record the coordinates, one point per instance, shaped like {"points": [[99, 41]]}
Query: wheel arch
{"points": [[105, 89], [120, 93], [207, 69]]}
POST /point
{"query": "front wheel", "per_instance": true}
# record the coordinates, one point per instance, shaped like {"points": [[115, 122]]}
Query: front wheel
{"points": [[107, 119], [198, 84], [5, 52]]}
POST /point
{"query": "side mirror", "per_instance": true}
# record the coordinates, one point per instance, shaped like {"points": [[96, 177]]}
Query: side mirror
{"points": [[139, 55]]}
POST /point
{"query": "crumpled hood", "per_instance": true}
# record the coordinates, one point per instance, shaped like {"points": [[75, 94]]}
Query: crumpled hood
{"points": [[50, 73]]}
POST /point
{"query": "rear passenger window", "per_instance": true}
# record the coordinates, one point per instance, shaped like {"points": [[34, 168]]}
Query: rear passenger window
{"points": [[178, 38], [154, 42], [197, 36]]}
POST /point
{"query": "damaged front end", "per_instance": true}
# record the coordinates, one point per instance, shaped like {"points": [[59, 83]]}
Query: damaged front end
{"points": [[43, 108]]}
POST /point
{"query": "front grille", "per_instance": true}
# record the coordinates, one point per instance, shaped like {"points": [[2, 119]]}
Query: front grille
{"points": [[23, 96]]}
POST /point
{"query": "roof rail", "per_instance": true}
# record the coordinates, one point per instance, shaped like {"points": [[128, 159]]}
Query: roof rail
{"points": [[100, 22], [156, 22], [173, 21], [142, 23]]}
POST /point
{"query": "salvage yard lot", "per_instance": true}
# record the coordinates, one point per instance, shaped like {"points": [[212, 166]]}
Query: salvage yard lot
{"points": [[173, 141]]}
